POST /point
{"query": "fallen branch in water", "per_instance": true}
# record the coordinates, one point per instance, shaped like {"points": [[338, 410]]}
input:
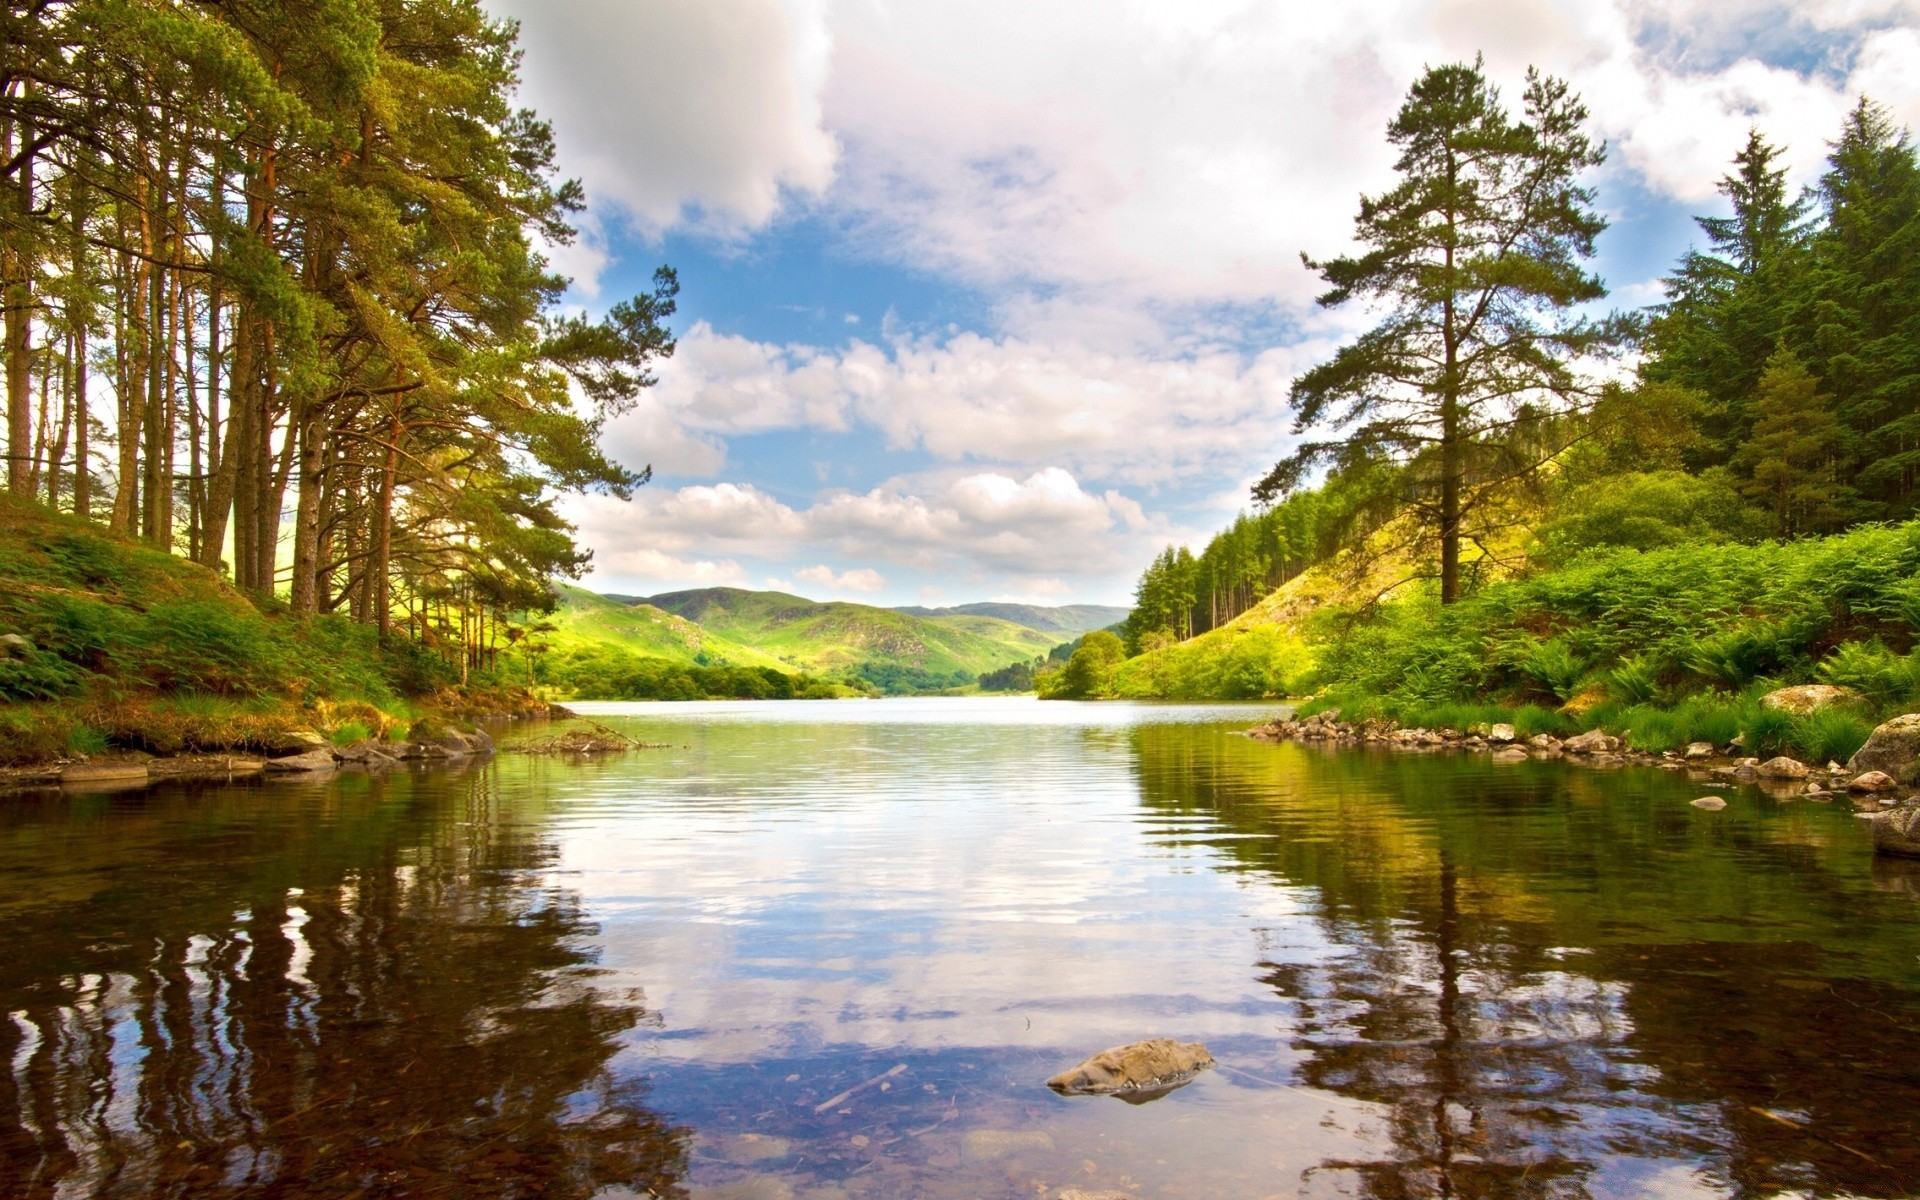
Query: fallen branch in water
{"points": [[857, 1088]]}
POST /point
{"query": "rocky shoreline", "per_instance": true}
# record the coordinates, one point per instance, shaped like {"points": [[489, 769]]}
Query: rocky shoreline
{"points": [[1878, 780], [296, 754]]}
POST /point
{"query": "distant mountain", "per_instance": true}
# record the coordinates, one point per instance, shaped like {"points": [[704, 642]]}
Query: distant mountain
{"points": [[840, 637], [1070, 620]]}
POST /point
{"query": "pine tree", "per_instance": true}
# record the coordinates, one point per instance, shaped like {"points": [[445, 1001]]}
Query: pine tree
{"points": [[1476, 255], [1862, 332], [1792, 465], [1729, 306]]}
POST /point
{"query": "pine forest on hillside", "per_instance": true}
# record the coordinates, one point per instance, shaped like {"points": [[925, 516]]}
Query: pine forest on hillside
{"points": [[297, 254]]}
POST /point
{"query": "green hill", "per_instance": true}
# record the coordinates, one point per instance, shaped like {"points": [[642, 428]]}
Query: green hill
{"points": [[1067, 620], [586, 618], [892, 649]]}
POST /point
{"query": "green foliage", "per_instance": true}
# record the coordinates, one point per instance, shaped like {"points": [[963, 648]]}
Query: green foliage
{"points": [[349, 733], [1792, 463], [1650, 626], [1886, 679], [1636, 680], [1237, 663], [1829, 734], [1014, 677], [1648, 510], [1088, 672], [597, 672], [893, 679]]}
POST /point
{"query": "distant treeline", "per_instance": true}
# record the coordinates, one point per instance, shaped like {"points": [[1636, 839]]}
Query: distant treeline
{"points": [[607, 673]]}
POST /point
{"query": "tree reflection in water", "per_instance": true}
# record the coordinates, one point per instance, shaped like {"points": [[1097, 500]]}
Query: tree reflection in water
{"points": [[1549, 974], [362, 989]]}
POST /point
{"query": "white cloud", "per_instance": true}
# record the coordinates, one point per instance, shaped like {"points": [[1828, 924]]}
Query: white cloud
{"points": [[682, 110], [1127, 416], [620, 558], [987, 527], [862, 579]]}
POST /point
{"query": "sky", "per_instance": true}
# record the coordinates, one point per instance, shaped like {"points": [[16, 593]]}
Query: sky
{"points": [[994, 299]]}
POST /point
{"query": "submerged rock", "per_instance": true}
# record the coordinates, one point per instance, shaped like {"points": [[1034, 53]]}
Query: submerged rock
{"points": [[1144, 1070], [1894, 749], [1710, 803], [989, 1144]]}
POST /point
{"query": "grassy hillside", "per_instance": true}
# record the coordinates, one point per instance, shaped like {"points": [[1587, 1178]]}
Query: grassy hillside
{"points": [[1066, 620], [585, 618], [135, 648], [1666, 645], [886, 646]]}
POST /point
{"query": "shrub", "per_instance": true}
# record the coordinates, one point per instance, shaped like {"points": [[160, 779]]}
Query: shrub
{"points": [[1830, 734], [1883, 677], [1635, 681]]}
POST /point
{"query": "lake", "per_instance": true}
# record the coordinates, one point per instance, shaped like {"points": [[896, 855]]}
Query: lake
{"points": [[826, 950]]}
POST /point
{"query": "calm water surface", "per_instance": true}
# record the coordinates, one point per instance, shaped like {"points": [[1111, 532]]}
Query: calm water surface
{"points": [[657, 974]]}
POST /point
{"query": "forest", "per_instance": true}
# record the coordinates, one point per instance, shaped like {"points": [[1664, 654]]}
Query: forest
{"points": [[1529, 500], [264, 258]]}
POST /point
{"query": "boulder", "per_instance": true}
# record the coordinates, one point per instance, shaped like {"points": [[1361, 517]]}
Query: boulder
{"points": [[111, 775], [366, 752], [1593, 741], [289, 741], [1156, 1066], [205, 766], [1699, 750], [301, 764], [1897, 832], [1871, 782], [1710, 803], [14, 645], [1782, 768], [1500, 735], [1544, 741], [1894, 749], [1806, 697]]}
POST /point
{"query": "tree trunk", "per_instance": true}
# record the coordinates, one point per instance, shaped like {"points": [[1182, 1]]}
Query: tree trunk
{"points": [[304, 590], [379, 596], [19, 337], [126, 492], [77, 373]]}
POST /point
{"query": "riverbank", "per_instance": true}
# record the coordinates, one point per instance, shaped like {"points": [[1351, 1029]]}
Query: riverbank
{"points": [[118, 659], [1879, 778]]}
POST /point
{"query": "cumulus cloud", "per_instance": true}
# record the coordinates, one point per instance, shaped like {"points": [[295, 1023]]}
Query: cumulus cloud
{"points": [[1189, 151], [1021, 533], [861, 579], [1129, 416], [676, 111]]}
